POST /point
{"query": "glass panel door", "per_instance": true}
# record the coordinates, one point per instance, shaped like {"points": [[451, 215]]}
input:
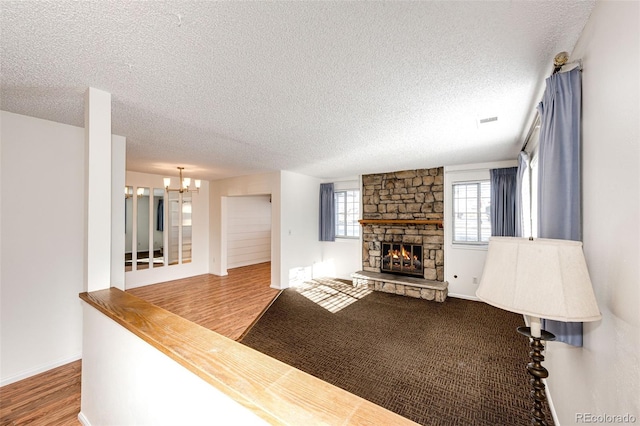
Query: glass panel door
{"points": [[173, 229], [158, 227], [143, 252], [186, 227], [128, 228]]}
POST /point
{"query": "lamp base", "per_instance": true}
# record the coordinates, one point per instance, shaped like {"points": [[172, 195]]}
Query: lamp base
{"points": [[537, 372]]}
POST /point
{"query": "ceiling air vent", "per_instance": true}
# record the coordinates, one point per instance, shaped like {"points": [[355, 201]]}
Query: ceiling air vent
{"points": [[487, 120]]}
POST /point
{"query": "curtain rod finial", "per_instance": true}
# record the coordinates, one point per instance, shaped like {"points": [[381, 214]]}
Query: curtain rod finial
{"points": [[560, 59]]}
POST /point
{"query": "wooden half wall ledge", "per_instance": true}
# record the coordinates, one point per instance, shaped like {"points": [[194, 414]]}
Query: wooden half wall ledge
{"points": [[274, 391]]}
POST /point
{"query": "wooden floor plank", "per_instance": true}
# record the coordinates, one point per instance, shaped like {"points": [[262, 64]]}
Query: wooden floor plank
{"points": [[49, 398], [227, 305]]}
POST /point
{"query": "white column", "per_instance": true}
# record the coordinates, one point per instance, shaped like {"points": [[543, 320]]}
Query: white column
{"points": [[118, 173], [224, 209], [97, 131]]}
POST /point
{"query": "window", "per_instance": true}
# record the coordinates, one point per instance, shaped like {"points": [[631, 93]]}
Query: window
{"points": [[533, 212], [347, 213], [471, 206]]}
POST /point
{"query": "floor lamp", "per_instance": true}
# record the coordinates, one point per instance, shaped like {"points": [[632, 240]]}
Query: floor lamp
{"points": [[539, 278]]}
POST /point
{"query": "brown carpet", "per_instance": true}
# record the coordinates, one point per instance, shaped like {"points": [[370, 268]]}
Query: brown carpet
{"points": [[454, 363]]}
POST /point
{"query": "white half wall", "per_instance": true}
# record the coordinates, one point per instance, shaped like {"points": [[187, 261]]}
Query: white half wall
{"points": [[125, 381], [603, 377]]}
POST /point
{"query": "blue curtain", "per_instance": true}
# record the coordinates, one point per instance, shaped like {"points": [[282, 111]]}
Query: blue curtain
{"points": [[559, 203], [160, 215], [523, 191], [503, 201], [327, 213]]}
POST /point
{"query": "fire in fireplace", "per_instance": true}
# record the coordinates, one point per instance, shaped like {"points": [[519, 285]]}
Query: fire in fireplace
{"points": [[405, 259]]}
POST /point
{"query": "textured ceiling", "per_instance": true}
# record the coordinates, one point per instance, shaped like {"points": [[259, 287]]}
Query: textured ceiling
{"points": [[327, 89]]}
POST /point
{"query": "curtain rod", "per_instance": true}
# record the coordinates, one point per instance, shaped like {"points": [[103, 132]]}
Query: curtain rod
{"points": [[559, 61], [536, 122]]}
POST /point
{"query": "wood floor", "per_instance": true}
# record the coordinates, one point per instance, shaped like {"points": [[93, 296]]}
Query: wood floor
{"points": [[51, 398], [227, 305]]}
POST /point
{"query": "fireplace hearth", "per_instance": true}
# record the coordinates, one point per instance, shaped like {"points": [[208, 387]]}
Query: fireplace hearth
{"points": [[402, 259]]}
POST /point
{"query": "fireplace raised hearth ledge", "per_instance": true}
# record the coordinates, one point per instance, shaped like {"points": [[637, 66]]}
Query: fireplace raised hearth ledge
{"points": [[405, 286]]}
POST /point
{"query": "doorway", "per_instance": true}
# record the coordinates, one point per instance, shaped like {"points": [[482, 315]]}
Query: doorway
{"points": [[248, 230]]}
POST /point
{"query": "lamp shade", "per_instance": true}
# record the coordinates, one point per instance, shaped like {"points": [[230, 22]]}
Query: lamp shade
{"points": [[542, 278]]}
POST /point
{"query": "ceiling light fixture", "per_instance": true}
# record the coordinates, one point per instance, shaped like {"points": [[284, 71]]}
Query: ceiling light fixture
{"points": [[184, 184]]}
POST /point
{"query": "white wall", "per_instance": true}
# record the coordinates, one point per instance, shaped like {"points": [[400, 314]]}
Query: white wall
{"points": [[463, 264], [603, 377], [301, 250], [342, 257], [125, 381], [200, 220], [42, 245], [248, 230]]}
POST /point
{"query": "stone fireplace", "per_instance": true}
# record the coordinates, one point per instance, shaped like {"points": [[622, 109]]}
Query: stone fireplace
{"points": [[404, 209]]}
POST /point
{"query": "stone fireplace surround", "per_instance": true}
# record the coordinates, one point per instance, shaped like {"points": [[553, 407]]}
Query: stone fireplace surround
{"points": [[404, 207]]}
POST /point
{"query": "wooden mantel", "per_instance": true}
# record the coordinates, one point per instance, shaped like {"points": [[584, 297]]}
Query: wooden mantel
{"points": [[401, 222]]}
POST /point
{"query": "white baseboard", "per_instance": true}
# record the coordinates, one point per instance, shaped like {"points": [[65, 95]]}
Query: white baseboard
{"points": [[37, 370], [552, 408], [463, 296], [82, 419]]}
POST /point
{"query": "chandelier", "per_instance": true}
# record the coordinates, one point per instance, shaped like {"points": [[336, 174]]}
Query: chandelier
{"points": [[185, 182]]}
